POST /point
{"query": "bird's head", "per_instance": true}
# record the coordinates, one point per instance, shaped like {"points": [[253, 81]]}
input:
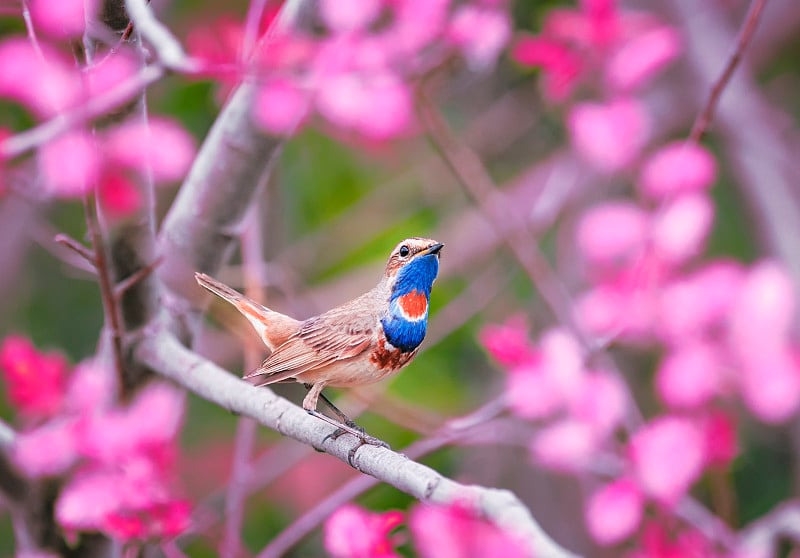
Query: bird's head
{"points": [[413, 264]]}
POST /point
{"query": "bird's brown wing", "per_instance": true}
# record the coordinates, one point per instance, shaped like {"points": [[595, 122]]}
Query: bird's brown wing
{"points": [[340, 334]]}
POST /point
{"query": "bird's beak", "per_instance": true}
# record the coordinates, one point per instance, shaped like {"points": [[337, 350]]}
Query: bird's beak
{"points": [[433, 249]]}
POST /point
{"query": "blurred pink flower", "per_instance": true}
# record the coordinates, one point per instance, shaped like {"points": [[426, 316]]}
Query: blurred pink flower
{"points": [[50, 83], [146, 427], [35, 381], [610, 136], [614, 511], [657, 542], [128, 502], [679, 167], [690, 376], [719, 430], [698, 304], [770, 384], [70, 163], [667, 457], [562, 361], [680, 228], [108, 73], [160, 145], [639, 59], [48, 450], [91, 388], [352, 532], [561, 66], [531, 393], [601, 402], [343, 16], [613, 234], [281, 106], [620, 308], [566, 445], [379, 108], [119, 196], [762, 314], [508, 343], [62, 18], [455, 532], [480, 33]]}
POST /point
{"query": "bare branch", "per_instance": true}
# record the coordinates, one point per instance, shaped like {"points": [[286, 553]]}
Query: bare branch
{"points": [[169, 51], [164, 353], [84, 252], [703, 120]]}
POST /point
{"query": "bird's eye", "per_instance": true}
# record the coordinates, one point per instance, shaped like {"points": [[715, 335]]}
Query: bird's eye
{"points": [[404, 251]]}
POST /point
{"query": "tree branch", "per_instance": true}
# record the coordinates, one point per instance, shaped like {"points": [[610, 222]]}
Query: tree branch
{"points": [[164, 353]]}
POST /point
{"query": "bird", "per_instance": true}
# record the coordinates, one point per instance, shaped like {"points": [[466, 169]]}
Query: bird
{"points": [[359, 342]]}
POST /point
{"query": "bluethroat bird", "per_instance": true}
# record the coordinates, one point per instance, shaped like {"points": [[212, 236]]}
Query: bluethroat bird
{"points": [[360, 342]]}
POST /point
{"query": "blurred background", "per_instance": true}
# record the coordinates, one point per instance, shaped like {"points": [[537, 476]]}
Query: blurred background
{"points": [[337, 205]]}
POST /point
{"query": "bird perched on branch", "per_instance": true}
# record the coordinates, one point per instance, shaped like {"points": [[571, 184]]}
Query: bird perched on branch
{"points": [[360, 342]]}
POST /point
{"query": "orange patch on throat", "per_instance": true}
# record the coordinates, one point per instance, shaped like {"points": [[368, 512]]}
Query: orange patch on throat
{"points": [[414, 304]]}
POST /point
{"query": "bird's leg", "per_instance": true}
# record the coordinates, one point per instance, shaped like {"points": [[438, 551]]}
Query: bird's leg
{"points": [[346, 425]]}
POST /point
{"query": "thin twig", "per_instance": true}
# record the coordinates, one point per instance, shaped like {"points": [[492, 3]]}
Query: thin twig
{"points": [[705, 117], [77, 247], [139, 275], [110, 305]]}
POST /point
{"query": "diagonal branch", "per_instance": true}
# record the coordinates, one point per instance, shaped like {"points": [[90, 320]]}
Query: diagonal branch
{"points": [[164, 353]]}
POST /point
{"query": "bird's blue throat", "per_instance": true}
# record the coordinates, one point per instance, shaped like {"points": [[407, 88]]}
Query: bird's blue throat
{"points": [[406, 321]]}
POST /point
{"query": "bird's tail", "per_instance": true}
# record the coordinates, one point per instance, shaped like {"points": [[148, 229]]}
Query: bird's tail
{"points": [[273, 327]]}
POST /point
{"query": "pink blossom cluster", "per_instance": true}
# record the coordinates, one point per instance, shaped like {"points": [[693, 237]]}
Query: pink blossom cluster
{"points": [[42, 79], [721, 329], [358, 73], [116, 461], [453, 531]]}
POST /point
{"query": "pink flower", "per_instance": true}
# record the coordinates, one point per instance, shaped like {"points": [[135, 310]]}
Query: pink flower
{"points": [[379, 108], [762, 315], [108, 73], [770, 384], [508, 343], [690, 376], [561, 66], [455, 532], [281, 107], [609, 136], [480, 33], [567, 445], [719, 430], [532, 393], [50, 84], [70, 163], [343, 16], [667, 457], [160, 145], [62, 18], [148, 425], [91, 388], [618, 308], [614, 233], [48, 450], [677, 168], [562, 361], [601, 402], [352, 532], [119, 196], [614, 511], [126, 502], [35, 381], [639, 59], [681, 227], [698, 304]]}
